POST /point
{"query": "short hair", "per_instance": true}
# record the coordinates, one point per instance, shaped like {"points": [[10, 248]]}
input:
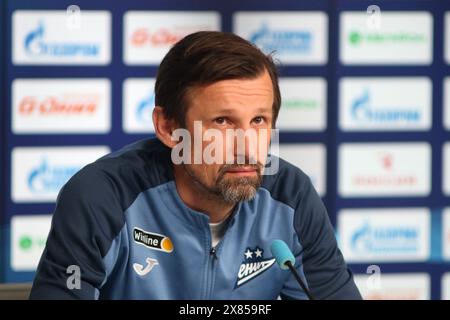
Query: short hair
{"points": [[206, 57]]}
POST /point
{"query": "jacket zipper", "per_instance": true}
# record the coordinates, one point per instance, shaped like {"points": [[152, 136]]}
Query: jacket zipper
{"points": [[213, 259]]}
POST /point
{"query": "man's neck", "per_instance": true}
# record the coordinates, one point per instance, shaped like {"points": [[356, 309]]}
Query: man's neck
{"points": [[199, 199]]}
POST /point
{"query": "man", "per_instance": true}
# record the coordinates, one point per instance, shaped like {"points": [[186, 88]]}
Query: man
{"points": [[161, 220]]}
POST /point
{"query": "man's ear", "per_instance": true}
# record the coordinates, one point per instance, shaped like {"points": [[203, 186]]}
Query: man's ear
{"points": [[163, 127]]}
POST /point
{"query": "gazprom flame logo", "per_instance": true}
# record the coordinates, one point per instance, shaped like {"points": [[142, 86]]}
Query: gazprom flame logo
{"points": [[47, 178], [381, 240], [362, 109], [144, 109], [36, 45], [283, 41]]}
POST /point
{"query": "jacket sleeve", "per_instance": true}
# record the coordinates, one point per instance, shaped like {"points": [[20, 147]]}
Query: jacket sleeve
{"points": [[322, 264], [86, 217]]}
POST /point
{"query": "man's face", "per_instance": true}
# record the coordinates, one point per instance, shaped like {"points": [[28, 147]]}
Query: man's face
{"points": [[226, 106]]}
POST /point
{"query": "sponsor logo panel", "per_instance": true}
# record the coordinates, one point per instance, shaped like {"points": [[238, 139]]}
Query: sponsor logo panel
{"points": [[51, 38], [384, 235], [28, 238], [380, 104], [402, 38], [61, 106], [303, 104], [384, 169], [38, 173], [445, 286], [446, 234], [293, 37], [138, 105], [148, 35], [311, 158], [401, 286]]}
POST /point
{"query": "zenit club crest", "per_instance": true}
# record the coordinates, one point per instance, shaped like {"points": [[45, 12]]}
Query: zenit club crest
{"points": [[253, 265]]}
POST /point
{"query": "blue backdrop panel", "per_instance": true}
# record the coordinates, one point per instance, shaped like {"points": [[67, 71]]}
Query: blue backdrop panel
{"points": [[332, 71]]}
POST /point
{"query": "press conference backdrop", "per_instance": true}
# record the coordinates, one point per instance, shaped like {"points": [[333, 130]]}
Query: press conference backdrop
{"points": [[366, 113]]}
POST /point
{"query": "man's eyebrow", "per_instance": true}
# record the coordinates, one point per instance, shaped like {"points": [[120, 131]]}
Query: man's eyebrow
{"points": [[263, 110], [230, 110]]}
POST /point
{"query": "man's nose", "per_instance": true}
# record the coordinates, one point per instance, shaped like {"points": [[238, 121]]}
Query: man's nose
{"points": [[245, 145]]}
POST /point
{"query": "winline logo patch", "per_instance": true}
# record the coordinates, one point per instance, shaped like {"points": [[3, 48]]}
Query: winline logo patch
{"points": [[153, 240]]}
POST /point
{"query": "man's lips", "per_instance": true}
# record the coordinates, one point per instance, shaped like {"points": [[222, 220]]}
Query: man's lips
{"points": [[242, 170]]}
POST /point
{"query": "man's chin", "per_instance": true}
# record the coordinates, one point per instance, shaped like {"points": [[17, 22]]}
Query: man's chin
{"points": [[240, 190]]}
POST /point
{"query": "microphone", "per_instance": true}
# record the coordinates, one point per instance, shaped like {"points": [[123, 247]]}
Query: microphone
{"points": [[286, 260]]}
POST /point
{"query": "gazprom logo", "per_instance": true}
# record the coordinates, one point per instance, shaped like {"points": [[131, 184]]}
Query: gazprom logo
{"points": [[47, 178], [35, 44], [362, 109], [385, 240], [144, 109], [282, 41]]}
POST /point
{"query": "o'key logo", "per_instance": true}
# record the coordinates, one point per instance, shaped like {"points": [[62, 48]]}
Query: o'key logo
{"points": [[153, 240]]}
